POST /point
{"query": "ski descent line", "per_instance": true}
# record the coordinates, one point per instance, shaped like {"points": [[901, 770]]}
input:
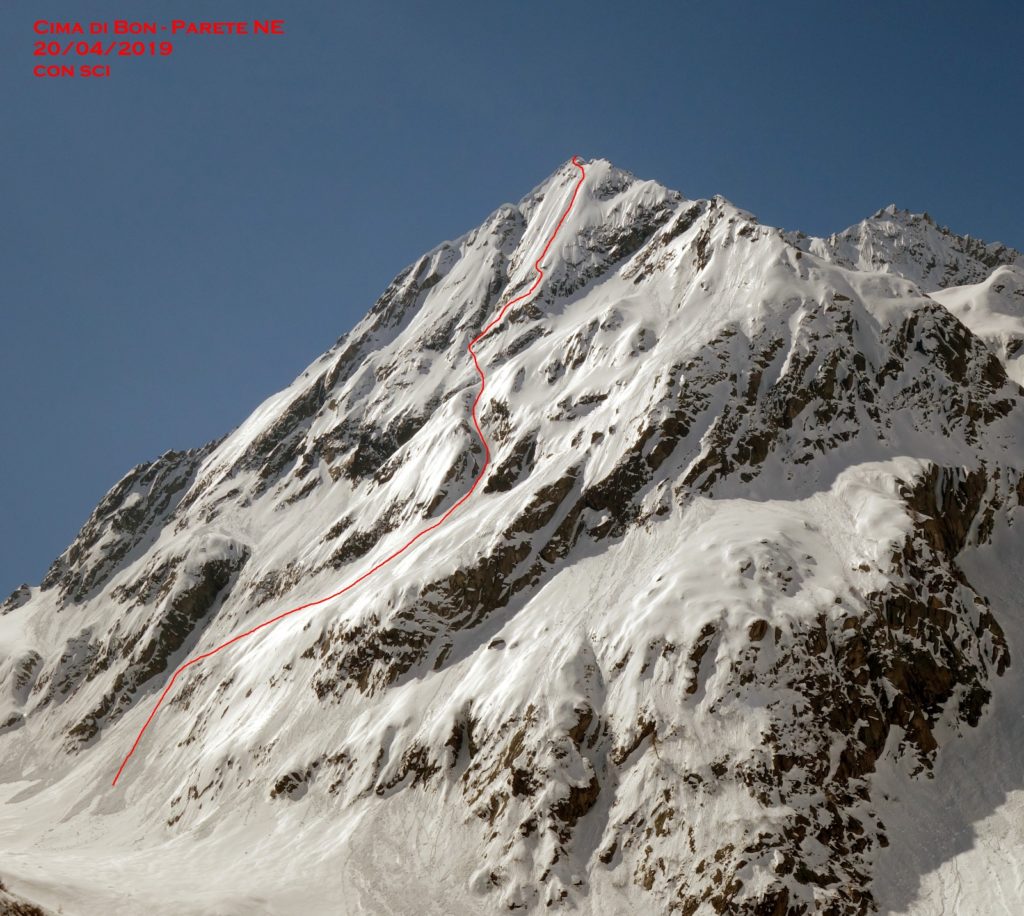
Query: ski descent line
{"points": [[483, 470]]}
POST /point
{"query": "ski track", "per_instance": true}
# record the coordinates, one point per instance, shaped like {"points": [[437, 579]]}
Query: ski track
{"points": [[494, 322]]}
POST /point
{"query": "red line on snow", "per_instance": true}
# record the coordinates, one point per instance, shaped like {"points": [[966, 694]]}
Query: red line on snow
{"points": [[483, 470]]}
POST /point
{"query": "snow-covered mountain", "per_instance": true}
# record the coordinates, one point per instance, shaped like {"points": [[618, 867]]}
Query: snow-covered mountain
{"points": [[730, 626]]}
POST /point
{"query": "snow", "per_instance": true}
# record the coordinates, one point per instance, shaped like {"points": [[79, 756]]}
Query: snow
{"points": [[960, 835], [624, 341], [994, 310]]}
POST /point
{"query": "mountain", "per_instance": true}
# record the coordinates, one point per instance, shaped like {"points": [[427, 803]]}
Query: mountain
{"points": [[982, 284], [912, 246], [730, 625]]}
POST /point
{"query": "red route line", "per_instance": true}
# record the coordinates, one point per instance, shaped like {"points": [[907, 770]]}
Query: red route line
{"points": [[366, 575]]}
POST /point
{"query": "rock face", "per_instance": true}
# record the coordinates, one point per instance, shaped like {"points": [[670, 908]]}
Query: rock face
{"points": [[710, 596]]}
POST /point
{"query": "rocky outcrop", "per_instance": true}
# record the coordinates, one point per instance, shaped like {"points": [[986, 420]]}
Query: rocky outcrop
{"points": [[153, 650], [12, 904], [125, 522], [21, 595]]}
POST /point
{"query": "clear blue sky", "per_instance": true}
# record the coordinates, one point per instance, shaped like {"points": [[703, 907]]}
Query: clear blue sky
{"points": [[180, 240]]}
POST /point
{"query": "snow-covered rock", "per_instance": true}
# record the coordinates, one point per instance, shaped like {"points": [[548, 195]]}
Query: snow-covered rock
{"points": [[714, 598]]}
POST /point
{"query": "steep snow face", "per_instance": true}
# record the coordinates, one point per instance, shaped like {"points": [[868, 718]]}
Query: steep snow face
{"points": [[712, 599], [994, 310]]}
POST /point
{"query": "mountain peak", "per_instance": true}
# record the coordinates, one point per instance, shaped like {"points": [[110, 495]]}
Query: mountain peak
{"points": [[911, 245], [706, 604]]}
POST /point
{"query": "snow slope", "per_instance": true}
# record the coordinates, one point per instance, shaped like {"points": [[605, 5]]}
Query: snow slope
{"points": [[994, 310], [731, 604]]}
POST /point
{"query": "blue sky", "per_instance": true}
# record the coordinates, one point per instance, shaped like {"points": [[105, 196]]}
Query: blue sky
{"points": [[180, 240]]}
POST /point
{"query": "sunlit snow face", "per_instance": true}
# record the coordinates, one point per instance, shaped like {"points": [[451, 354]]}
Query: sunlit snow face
{"points": [[709, 450]]}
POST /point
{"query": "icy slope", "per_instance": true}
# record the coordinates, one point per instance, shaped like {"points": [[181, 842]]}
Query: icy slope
{"points": [[710, 594]]}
